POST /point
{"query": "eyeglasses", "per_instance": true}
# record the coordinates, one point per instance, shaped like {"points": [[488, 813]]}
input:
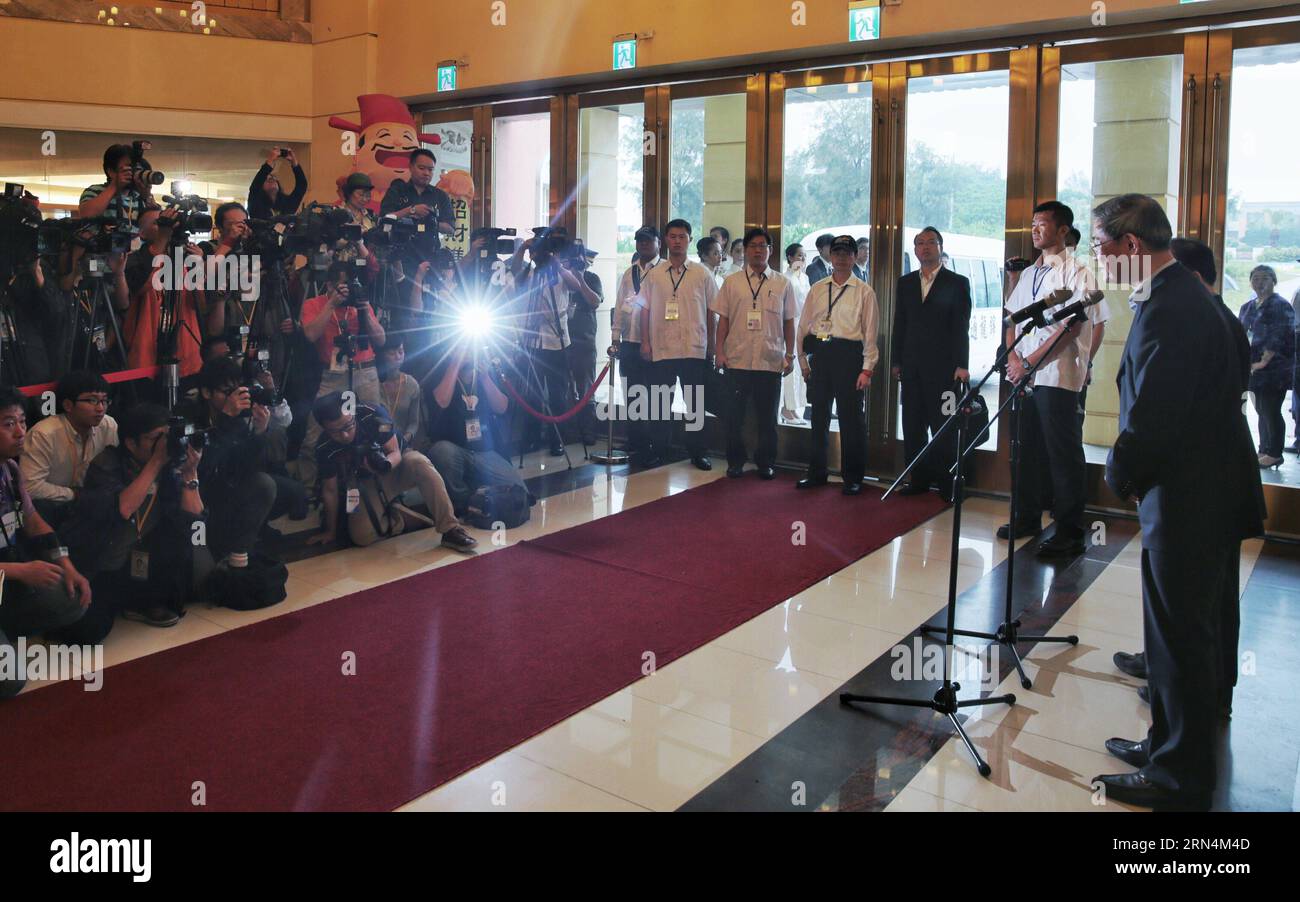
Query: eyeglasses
{"points": [[95, 402], [342, 430]]}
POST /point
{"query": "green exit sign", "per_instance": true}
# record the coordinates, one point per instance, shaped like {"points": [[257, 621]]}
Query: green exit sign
{"points": [[864, 21], [625, 54], [446, 78]]}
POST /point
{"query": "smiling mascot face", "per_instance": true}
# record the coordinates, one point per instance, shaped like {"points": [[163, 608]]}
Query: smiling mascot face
{"points": [[386, 136]]}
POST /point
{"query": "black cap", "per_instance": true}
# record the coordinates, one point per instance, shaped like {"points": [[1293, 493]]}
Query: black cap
{"points": [[646, 232], [592, 255], [845, 243]]}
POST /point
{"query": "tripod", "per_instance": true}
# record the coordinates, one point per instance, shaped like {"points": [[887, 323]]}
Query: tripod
{"points": [[945, 700], [1008, 634], [90, 305]]}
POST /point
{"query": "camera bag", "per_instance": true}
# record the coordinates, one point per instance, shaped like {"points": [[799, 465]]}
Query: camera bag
{"points": [[492, 504], [259, 585]]}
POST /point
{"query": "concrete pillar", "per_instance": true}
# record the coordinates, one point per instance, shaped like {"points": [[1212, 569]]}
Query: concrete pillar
{"points": [[598, 147], [724, 164], [1136, 145]]}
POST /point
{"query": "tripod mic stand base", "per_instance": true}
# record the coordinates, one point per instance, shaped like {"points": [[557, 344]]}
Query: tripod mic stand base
{"points": [[1007, 636], [609, 458], [945, 702]]}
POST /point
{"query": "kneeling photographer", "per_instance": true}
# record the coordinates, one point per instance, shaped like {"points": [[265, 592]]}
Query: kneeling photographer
{"points": [[235, 421], [133, 531], [364, 471]]}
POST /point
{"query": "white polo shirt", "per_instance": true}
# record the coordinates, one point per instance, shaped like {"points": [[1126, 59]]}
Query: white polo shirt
{"points": [[1069, 368], [757, 309], [627, 313], [677, 301]]}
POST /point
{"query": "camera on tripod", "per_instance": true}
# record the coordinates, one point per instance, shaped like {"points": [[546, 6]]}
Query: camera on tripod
{"points": [[499, 242], [395, 231], [181, 436], [142, 168], [20, 224], [191, 213]]}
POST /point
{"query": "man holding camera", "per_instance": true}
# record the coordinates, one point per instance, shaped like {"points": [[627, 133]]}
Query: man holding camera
{"points": [[420, 200], [345, 333], [127, 188], [242, 496], [547, 288], [364, 470], [267, 197], [133, 533], [585, 296]]}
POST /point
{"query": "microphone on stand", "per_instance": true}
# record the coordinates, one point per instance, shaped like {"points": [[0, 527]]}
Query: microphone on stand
{"points": [[1035, 310], [1091, 299]]}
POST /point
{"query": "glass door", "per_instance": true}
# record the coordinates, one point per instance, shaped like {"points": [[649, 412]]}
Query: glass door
{"points": [[519, 194]]}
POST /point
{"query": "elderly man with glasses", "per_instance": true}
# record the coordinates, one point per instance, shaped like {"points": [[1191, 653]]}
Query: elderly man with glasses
{"points": [[59, 448]]}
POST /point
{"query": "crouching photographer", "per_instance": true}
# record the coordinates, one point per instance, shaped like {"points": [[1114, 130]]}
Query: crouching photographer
{"points": [[364, 471], [236, 420], [133, 533]]}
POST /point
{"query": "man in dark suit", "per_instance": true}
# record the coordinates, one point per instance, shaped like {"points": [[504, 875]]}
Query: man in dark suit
{"points": [[820, 268], [1198, 257], [1179, 453], [931, 352]]}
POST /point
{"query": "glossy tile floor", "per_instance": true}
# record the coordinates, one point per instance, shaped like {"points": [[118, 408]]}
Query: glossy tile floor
{"points": [[658, 743]]}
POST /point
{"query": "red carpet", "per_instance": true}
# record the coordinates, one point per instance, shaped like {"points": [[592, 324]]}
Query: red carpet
{"points": [[453, 667]]}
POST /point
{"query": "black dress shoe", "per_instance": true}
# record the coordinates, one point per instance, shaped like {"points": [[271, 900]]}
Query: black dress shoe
{"points": [[1144, 693], [1061, 546], [1135, 789], [735, 472], [1023, 530], [1133, 665], [766, 473], [1131, 753], [915, 488], [852, 488], [811, 482], [702, 463]]}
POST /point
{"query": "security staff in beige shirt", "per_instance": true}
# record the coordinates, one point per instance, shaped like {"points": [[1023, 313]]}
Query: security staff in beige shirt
{"points": [[677, 332], [756, 317], [838, 355]]}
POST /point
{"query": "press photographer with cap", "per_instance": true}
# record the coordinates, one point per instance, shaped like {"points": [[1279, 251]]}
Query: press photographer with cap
{"points": [[837, 354]]}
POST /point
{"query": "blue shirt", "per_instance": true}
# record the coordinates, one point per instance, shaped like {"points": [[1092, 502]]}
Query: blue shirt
{"points": [[1270, 327]]}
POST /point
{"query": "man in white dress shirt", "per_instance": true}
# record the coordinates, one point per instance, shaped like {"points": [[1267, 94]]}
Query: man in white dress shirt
{"points": [[627, 337]]}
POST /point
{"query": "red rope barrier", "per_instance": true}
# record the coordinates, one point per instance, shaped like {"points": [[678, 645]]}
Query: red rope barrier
{"points": [[564, 417], [148, 372]]}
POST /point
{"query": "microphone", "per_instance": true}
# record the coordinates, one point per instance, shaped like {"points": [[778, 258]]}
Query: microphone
{"points": [[1035, 310], [1091, 299]]}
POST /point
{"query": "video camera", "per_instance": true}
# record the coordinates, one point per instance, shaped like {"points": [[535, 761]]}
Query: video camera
{"points": [[20, 223], [499, 242], [191, 214], [97, 236], [394, 231], [141, 167]]}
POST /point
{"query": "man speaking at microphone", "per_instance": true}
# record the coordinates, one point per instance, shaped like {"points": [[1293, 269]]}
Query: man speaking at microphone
{"points": [[1052, 464]]}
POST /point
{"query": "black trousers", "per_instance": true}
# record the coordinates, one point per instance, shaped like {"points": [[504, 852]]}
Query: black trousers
{"points": [[923, 417], [548, 391], [1053, 472], [835, 369], [1230, 623], [1272, 428], [1182, 603], [663, 376], [582, 367], [635, 374], [763, 389]]}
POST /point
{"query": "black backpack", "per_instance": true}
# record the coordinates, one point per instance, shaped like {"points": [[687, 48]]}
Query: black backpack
{"points": [[259, 585], [493, 504]]}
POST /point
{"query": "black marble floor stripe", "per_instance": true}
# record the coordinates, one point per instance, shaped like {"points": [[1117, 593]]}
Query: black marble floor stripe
{"points": [[835, 757], [1259, 752]]}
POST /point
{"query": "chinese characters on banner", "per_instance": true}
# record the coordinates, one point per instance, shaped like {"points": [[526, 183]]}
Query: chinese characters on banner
{"points": [[453, 175]]}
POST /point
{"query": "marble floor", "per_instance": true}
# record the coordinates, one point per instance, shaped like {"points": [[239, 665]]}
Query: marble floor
{"points": [[677, 735]]}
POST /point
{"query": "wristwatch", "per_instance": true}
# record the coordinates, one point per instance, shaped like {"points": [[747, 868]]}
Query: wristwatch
{"points": [[192, 484]]}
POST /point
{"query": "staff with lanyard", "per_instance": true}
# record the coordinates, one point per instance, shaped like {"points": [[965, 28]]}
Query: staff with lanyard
{"points": [[838, 354], [627, 338]]}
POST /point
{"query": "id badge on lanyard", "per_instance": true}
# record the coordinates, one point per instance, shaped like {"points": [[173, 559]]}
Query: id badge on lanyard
{"points": [[754, 320], [473, 425], [139, 565]]}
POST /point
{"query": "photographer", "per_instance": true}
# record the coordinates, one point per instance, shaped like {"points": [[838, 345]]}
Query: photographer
{"points": [[345, 333], [465, 417], [421, 201], [290, 494], [126, 190], [360, 458], [401, 395], [585, 296], [34, 324], [134, 526], [544, 292], [259, 325], [149, 296], [242, 495], [356, 193], [39, 595], [266, 197]]}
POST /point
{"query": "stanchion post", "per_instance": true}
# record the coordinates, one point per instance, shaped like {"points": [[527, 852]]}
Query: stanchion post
{"points": [[611, 455]]}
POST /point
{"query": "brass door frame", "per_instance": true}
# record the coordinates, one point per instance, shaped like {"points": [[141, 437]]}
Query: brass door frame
{"points": [[502, 110]]}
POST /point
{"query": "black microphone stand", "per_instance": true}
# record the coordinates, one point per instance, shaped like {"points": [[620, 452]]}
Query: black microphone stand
{"points": [[1008, 634], [945, 700]]}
